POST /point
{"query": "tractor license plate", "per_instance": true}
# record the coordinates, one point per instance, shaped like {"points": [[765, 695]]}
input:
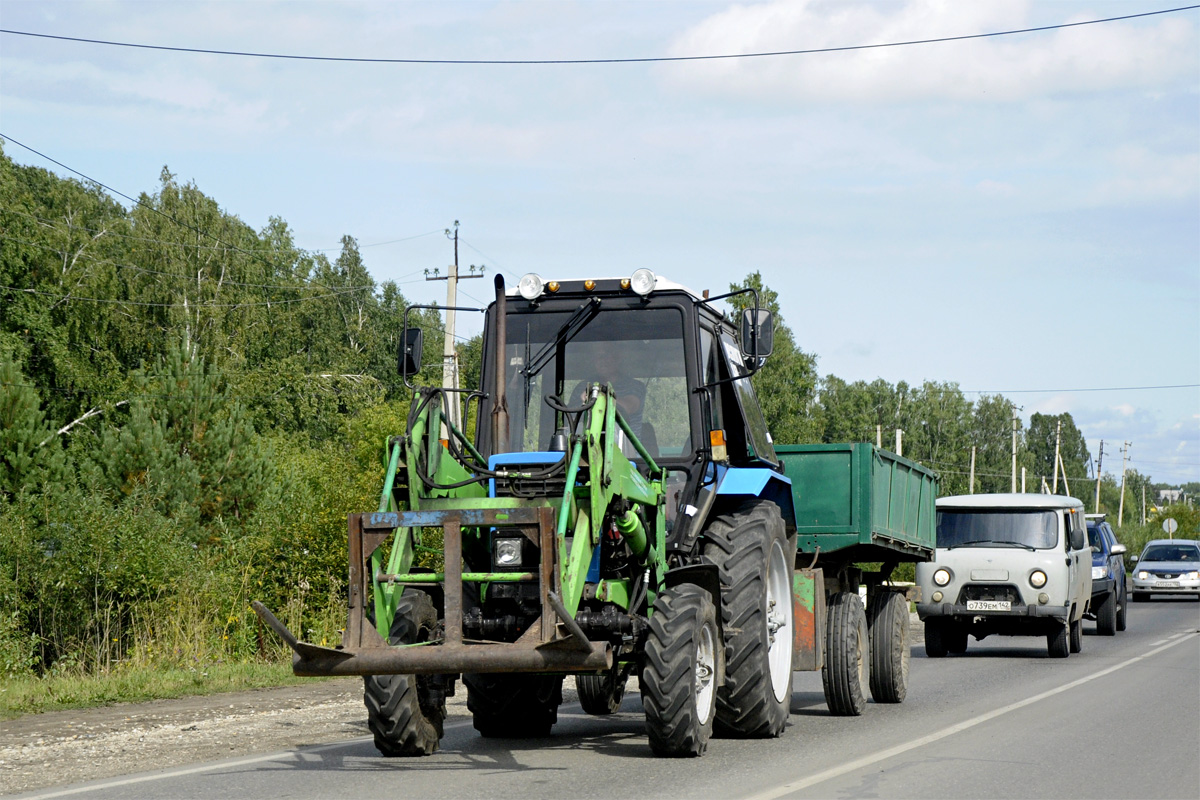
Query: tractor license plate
{"points": [[1168, 584], [989, 605]]}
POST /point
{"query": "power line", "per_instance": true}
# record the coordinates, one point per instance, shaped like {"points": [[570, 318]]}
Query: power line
{"points": [[147, 304], [567, 61], [149, 240], [149, 207], [1102, 389]]}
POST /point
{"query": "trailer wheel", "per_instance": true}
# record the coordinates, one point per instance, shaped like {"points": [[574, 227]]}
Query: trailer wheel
{"points": [[405, 712], [1106, 614], [935, 640], [751, 549], [681, 671], [602, 694], [887, 621], [513, 706], [1077, 636], [845, 675], [1057, 641]]}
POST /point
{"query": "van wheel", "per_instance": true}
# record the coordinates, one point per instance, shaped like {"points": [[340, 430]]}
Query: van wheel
{"points": [[956, 639], [846, 673], [935, 642], [1076, 643], [1058, 642]]}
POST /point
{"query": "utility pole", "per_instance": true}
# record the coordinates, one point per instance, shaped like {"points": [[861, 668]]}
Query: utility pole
{"points": [[1022, 480], [1014, 457], [1121, 507], [899, 442], [1143, 503], [449, 353], [1057, 438], [971, 490], [1099, 462], [879, 436]]}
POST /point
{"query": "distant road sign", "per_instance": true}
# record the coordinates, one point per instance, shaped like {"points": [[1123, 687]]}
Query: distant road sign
{"points": [[1170, 526]]}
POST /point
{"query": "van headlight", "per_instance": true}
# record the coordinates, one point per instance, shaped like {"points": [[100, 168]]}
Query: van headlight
{"points": [[941, 577], [1037, 579], [506, 553]]}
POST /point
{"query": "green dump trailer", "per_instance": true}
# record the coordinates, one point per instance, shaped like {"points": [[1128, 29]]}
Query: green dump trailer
{"points": [[860, 511]]}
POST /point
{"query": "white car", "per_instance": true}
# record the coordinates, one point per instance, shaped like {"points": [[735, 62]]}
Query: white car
{"points": [[1009, 564], [1167, 566]]}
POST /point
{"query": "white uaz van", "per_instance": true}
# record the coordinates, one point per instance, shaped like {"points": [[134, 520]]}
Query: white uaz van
{"points": [[1011, 564]]}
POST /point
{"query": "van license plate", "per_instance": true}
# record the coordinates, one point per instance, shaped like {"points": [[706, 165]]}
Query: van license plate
{"points": [[989, 605]]}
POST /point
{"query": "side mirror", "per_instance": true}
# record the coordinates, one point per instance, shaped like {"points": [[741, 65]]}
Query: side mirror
{"points": [[758, 333], [1118, 549], [408, 360], [1133, 560]]}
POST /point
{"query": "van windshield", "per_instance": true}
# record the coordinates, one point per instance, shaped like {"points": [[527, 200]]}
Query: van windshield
{"points": [[983, 528]]}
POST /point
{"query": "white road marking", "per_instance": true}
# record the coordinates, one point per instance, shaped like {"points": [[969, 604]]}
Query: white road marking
{"points": [[866, 761]]}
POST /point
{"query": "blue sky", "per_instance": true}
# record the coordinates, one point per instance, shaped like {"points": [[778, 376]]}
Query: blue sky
{"points": [[1014, 213]]}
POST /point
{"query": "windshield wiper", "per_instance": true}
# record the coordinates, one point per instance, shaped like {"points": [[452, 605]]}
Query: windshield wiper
{"points": [[569, 330], [990, 542]]}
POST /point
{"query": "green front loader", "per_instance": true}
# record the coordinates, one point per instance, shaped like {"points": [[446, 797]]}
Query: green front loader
{"points": [[570, 537]]}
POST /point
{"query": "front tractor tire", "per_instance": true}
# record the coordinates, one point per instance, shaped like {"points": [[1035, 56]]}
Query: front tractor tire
{"points": [[681, 671], [846, 673], [405, 712], [513, 706], [750, 548]]}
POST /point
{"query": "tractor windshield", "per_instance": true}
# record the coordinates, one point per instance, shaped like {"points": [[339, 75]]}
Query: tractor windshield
{"points": [[639, 351]]}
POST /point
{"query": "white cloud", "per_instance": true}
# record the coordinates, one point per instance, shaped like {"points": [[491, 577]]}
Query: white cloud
{"points": [[1090, 58]]}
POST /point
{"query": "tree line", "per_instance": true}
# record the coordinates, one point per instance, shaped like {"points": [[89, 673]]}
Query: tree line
{"points": [[189, 407]]}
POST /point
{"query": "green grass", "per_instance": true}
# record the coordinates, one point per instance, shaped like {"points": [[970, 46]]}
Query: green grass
{"points": [[33, 695]]}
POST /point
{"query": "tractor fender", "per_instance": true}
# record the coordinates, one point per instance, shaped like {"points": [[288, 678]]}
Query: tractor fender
{"points": [[744, 483]]}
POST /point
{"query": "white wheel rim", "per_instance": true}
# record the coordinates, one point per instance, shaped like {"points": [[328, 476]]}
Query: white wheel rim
{"points": [[779, 622], [706, 673]]}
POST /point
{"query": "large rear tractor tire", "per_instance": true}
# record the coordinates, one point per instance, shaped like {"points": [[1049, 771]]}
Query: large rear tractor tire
{"points": [[750, 548], [887, 621], [1106, 615], [681, 672], [602, 694], [405, 712], [507, 706], [846, 673]]}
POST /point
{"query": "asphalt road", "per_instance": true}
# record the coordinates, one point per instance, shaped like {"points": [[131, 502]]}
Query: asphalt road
{"points": [[1121, 719]]}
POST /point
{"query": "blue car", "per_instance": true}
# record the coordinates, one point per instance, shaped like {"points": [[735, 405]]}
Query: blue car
{"points": [[1109, 592]]}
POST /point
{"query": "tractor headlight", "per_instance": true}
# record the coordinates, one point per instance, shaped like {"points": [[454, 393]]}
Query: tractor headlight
{"points": [[1037, 579], [1099, 572], [506, 553], [941, 577], [530, 286], [642, 282]]}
